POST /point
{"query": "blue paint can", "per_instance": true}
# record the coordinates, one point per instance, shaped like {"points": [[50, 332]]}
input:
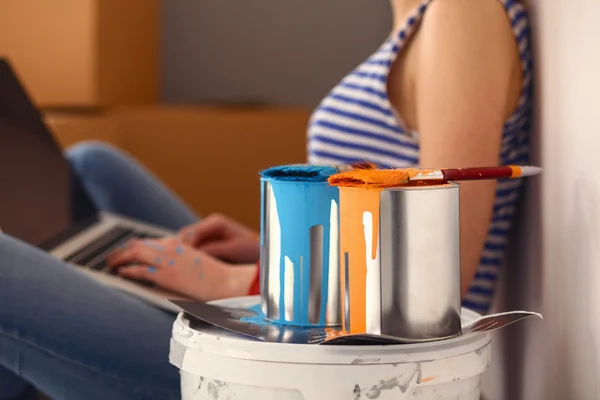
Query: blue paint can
{"points": [[300, 246]]}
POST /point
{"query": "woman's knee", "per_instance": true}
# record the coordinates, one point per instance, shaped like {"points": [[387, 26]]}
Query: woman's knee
{"points": [[93, 153], [14, 267], [15, 253]]}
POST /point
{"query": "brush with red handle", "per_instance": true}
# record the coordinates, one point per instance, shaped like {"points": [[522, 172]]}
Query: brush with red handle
{"points": [[382, 178], [470, 174]]}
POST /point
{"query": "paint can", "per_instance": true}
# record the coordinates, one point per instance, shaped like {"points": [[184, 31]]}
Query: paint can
{"points": [[217, 364], [400, 261], [300, 247]]}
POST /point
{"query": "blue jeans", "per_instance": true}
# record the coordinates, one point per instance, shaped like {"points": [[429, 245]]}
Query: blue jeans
{"points": [[71, 337]]}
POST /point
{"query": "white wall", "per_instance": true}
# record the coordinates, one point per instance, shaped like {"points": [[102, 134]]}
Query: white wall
{"points": [[556, 268]]}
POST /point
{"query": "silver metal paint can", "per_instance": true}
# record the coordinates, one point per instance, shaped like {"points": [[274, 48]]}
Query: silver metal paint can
{"points": [[300, 253], [406, 275]]}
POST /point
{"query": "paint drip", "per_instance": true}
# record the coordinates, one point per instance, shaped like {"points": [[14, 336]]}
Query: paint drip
{"points": [[359, 254], [301, 206]]}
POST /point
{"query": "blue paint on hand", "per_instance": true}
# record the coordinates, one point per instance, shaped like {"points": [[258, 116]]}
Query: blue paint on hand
{"points": [[197, 260], [171, 263], [152, 270], [157, 260], [150, 244], [179, 250]]}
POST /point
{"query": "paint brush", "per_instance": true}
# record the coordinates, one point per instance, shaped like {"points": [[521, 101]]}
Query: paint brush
{"points": [[381, 178], [471, 174]]}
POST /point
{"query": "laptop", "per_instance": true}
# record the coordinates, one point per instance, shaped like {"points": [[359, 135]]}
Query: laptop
{"points": [[44, 204]]}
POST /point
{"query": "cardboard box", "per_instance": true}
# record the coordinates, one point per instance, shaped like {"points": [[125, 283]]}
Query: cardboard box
{"points": [[209, 156], [70, 128], [83, 53]]}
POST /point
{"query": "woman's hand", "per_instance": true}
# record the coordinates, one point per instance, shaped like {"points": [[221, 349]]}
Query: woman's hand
{"points": [[223, 238], [175, 266]]}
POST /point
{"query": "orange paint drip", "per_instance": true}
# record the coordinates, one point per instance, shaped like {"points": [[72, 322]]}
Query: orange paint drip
{"points": [[353, 204], [331, 333]]}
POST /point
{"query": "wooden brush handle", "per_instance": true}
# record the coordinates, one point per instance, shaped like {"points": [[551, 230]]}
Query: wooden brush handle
{"points": [[467, 174]]}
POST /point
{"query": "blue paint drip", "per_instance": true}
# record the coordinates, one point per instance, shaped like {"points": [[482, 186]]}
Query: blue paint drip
{"points": [[258, 319], [301, 205], [261, 270]]}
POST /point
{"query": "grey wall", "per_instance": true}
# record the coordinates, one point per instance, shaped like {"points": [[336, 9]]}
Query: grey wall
{"points": [[269, 51]]}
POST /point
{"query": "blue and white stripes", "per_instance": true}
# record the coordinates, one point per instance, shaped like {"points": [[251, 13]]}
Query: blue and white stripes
{"points": [[356, 122]]}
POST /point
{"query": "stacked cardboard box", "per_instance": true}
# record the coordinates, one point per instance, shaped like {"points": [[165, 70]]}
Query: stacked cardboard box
{"points": [[209, 156], [83, 53], [92, 66]]}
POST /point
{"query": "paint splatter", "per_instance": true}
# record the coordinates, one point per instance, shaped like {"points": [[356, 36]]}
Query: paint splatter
{"points": [[179, 250], [150, 244], [157, 260], [152, 270], [213, 391], [258, 318], [353, 205], [171, 263], [197, 260], [357, 392], [200, 381]]}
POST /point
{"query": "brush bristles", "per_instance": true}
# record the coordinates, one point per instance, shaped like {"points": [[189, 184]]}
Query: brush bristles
{"points": [[529, 171], [370, 178]]}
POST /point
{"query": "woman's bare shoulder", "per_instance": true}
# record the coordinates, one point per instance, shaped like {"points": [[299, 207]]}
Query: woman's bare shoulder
{"points": [[469, 20]]}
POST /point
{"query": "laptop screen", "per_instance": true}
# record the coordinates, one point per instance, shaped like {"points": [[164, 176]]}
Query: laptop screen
{"points": [[40, 198]]}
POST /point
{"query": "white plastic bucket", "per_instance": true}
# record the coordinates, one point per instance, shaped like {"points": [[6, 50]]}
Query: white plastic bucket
{"points": [[219, 365]]}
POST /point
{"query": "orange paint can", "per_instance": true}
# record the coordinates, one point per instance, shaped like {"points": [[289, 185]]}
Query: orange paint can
{"points": [[400, 261]]}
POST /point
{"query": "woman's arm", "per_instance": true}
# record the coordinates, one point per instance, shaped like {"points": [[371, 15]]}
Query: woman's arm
{"points": [[255, 286], [466, 56]]}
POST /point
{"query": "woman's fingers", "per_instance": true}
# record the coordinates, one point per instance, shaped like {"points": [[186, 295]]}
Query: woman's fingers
{"points": [[237, 251], [186, 235], [139, 272], [148, 252], [213, 227]]}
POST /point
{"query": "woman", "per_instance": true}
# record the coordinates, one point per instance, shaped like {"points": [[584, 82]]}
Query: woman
{"points": [[450, 87]]}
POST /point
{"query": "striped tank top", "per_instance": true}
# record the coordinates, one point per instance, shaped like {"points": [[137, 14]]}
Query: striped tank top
{"points": [[355, 122]]}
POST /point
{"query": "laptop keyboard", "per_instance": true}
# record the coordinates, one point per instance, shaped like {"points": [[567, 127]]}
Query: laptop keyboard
{"points": [[95, 254]]}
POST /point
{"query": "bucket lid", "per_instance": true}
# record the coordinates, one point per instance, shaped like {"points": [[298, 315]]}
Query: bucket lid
{"points": [[214, 340]]}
